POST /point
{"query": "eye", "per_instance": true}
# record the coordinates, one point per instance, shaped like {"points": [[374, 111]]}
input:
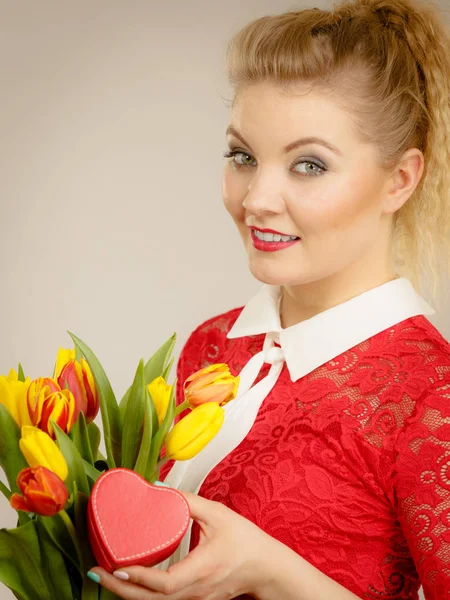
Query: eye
{"points": [[233, 154], [313, 168]]}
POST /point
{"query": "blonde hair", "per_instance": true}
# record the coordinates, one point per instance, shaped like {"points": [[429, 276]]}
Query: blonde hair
{"points": [[388, 63]]}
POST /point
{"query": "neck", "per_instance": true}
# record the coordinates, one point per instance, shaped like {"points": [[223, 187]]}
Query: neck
{"points": [[301, 302]]}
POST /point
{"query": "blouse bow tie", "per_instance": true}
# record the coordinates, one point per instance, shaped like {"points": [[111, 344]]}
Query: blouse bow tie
{"points": [[240, 414]]}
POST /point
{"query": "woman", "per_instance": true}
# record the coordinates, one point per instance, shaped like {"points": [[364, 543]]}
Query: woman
{"points": [[332, 476]]}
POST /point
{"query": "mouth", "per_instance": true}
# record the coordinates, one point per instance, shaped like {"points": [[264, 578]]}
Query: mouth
{"points": [[268, 240]]}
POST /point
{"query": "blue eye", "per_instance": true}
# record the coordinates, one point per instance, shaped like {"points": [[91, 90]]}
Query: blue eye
{"points": [[318, 169]]}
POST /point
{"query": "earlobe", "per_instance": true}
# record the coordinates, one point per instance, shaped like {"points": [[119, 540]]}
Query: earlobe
{"points": [[404, 180]]}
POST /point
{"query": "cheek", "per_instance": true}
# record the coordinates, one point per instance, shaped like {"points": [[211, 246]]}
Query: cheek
{"points": [[233, 194], [339, 210]]}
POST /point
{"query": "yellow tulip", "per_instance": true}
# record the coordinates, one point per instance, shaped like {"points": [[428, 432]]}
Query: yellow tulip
{"points": [[190, 435], [63, 357], [40, 450], [13, 395], [211, 384], [160, 392]]}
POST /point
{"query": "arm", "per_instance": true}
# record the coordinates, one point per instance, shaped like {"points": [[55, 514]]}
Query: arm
{"points": [[422, 491], [234, 557], [293, 578]]}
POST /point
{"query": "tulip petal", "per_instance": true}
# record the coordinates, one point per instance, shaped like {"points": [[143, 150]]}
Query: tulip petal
{"points": [[192, 433], [8, 400], [40, 450], [63, 357], [218, 367], [18, 502], [43, 492]]}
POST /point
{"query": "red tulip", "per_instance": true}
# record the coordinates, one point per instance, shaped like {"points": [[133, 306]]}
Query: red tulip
{"points": [[44, 493], [78, 378]]}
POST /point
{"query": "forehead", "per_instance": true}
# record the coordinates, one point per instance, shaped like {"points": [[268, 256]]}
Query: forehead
{"points": [[270, 110]]}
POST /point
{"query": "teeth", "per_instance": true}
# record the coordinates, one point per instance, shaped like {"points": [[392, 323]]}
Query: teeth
{"points": [[273, 237]]}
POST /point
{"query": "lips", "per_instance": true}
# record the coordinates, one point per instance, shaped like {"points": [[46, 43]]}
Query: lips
{"points": [[264, 246], [271, 231]]}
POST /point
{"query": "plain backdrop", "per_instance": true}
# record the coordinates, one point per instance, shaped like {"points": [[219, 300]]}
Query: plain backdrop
{"points": [[112, 128]]}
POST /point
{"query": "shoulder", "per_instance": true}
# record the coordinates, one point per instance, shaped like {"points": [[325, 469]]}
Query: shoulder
{"points": [[208, 343], [425, 357], [415, 338], [220, 323], [428, 332]]}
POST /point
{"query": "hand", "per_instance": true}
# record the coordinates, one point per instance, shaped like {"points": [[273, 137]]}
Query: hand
{"points": [[227, 562]]}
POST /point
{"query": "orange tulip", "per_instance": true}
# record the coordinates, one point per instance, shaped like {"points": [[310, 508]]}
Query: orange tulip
{"points": [[211, 384], [44, 493], [78, 378]]}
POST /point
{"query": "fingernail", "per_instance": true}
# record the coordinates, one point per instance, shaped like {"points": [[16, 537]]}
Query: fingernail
{"points": [[160, 483], [121, 575], [93, 576]]}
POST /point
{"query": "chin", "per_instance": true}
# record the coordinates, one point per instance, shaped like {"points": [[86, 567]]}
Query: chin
{"points": [[273, 275]]}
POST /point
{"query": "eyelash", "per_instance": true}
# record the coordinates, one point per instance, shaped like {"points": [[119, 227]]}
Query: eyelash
{"points": [[233, 153]]}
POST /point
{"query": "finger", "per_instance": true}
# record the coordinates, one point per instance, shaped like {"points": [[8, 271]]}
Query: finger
{"points": [[201, 509], [189, 571], [124, 589]]}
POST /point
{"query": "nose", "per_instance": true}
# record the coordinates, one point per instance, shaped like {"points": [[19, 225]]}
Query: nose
{"points": [[263, 196]]}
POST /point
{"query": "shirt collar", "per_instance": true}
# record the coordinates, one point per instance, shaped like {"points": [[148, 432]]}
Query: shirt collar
{"points": [[313, 342]]}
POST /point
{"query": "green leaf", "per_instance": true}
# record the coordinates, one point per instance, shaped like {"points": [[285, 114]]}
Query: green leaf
{"points": [[11, 457], [153, 369], [158, 362], [5, 491], [94, 438], [21, 374], [134, 419], [168, 368], [81, 439], [61, 531], [90, 589], [108, 405], [144, 451], [78, 353], [91, 471], [73, 460], [20, 563], [158, 439], [52, 561]]}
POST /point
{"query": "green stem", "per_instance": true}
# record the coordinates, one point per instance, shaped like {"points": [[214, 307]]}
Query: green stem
{"points": [[73, 534], [159, 464], [179, 409], [5, 491]]}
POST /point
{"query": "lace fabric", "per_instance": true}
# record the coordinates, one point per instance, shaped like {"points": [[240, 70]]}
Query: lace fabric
{"points": [[350, 465]]}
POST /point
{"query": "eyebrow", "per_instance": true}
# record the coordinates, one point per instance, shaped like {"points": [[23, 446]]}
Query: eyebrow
{"points": [[301, 142]]}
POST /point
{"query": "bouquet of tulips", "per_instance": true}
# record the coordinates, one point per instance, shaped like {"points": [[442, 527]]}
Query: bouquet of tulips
{"points": [[49, 452]]}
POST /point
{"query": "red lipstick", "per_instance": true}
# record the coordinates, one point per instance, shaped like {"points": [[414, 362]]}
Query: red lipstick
{"points": [[270, 246]]}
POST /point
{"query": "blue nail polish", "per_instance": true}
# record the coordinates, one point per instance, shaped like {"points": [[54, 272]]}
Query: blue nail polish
{"points": [[93, 576], [161, 483]]}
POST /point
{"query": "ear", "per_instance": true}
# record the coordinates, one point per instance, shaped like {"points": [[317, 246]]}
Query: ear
{"points": [[404, 180]]}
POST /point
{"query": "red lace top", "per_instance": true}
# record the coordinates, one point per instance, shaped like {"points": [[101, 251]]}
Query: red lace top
{"points": [[350, 465]]}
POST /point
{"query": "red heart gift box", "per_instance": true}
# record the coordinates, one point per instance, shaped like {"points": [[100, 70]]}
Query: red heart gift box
{"points": [[133, 522]]}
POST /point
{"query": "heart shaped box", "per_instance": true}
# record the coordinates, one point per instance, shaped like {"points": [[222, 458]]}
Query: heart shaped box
{"points": [[133, 522]]}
